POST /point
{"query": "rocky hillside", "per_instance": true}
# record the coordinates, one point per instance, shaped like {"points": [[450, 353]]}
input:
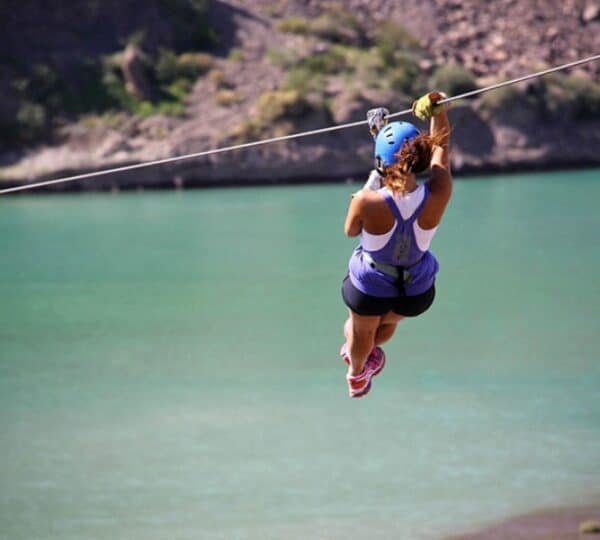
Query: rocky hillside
{"points": [[135, 81]]}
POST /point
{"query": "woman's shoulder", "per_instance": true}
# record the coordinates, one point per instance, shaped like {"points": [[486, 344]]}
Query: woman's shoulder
{"points": [[369, 198], [375, 212]]}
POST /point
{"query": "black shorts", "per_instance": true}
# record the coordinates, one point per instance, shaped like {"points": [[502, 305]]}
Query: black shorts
{"points": [[364, 304]]}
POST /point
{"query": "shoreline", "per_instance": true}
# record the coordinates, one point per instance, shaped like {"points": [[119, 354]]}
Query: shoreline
{"points": [[102, 186], [561, 523]]}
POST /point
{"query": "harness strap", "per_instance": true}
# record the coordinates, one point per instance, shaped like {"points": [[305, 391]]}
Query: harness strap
{"points": [[391, 202], [400, 273], [397, 272]]}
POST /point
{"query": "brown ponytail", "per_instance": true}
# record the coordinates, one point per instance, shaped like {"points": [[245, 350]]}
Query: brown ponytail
{"points": [[413, 158]]}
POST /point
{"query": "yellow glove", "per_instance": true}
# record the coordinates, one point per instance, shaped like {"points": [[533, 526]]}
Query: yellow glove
{"points": [[425, 107]]}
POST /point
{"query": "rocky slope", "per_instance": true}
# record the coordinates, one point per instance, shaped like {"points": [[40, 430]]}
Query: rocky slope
{"points": [[248, 94]]}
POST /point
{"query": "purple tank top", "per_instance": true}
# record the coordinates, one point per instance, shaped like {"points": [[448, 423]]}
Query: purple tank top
{"points": [[417, 269]]}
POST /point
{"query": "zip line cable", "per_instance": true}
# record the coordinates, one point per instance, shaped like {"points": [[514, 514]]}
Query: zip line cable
{"points": [[291, 136]]}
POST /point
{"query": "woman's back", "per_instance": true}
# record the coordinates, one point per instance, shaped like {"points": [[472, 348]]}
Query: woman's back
{"points": [[388, 213]]}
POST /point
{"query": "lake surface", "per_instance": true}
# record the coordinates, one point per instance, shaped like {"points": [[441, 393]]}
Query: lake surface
{"points": [[169, 367]]}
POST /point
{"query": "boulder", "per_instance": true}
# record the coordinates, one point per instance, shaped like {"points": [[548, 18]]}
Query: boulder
{"points": [[134, 73], [589, 527], [591, 12]]}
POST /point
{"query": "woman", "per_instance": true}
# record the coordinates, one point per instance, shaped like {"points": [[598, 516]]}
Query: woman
{"points": [[391, 274]]}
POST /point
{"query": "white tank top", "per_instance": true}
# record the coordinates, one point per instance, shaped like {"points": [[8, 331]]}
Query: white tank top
{"points": [[407, 205]]}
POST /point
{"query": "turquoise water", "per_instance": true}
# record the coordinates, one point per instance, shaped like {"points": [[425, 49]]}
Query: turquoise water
{"points": [[169, 368]]}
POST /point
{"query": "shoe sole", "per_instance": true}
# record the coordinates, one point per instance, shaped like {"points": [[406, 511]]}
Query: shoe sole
{"points": [[363, 392]]}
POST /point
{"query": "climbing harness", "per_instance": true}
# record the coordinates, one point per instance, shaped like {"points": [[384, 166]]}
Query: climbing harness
{"points": [[288, 137]]}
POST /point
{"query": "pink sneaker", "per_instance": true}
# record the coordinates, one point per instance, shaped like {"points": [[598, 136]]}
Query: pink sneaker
{"points": [[360, 385], [376, 360], [376, 357]]}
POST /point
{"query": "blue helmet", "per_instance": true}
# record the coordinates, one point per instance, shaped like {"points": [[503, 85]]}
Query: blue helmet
{"points": [[390, 140]]}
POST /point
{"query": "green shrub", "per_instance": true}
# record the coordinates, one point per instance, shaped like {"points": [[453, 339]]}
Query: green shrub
{"points": [[282, 57], [275, 114], [397, 53], [217, 77], [511, 105], [169, 108], [337, 25], [369, 70], [304, 81], [294, 25], [328, 62], [178, 89], [344, 16], [31, 121], [275, 9], [501, 99], [236, 55], [43, 96], [144, 109], [405, 75], [281, 129], [247, 130], [166, 69], [174, 74], [137, 39], [392, 39], [115, 88], [43, 81], [170, 66], [571, 95], [225, 98], [278, 104], [84, 91], [453, 79], [331, 28], [112, 120], [194, 64], [20, 85]]}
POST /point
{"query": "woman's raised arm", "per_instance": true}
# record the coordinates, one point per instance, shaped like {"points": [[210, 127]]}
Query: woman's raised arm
{"points": [[440, 183]]}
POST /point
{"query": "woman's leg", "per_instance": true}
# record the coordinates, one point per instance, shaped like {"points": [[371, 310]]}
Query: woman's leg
{"points": [[387, 327], [348, 326], [361, 339], [385, 330]]}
